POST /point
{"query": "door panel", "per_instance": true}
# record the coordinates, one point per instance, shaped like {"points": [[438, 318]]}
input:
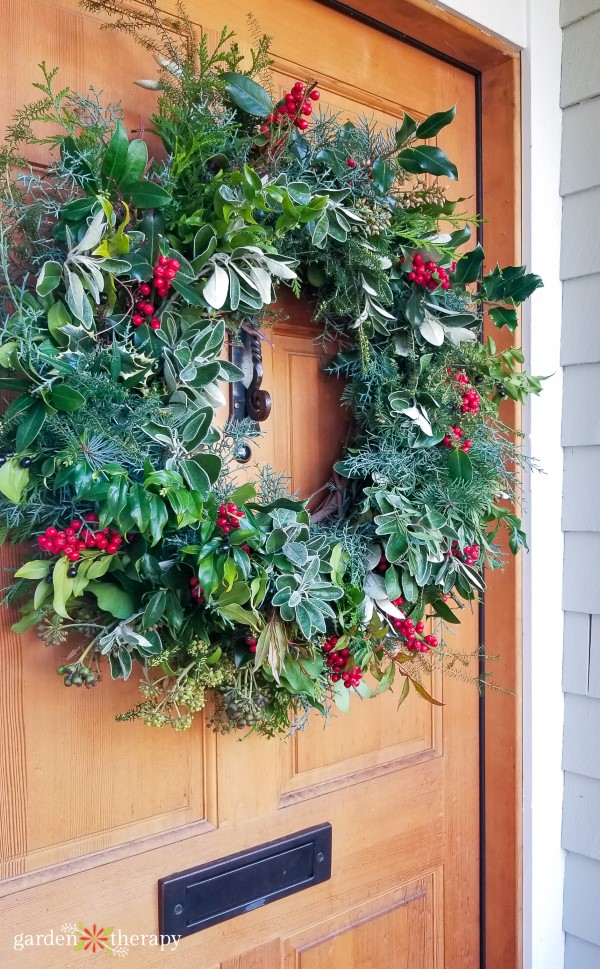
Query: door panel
{"points": [[95, 812]]}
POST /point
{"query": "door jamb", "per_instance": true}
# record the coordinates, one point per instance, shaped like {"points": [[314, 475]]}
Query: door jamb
{"points": [[495, 66]]}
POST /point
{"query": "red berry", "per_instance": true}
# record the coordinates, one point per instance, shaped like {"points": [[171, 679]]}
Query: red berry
{"points": [[137, 320], [111, 548], [73, 555], [315, 95], [51, 531], [155, 324], [163, 261], [145, 289], [351, 163], [101, 542], [307, 108], [302, 124]]}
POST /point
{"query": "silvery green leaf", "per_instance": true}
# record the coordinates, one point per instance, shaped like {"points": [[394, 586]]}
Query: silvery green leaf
{"points": [[280, 269], [419, 416], [384, 605], [94, 233], [401, 345], [373, 555], [374, 586], [367, 287], [216, 288], [459, 334], [432, 330], [171, 66], [150, 85], [244, 275], [378, 310], [77, 300], [264, 283]]}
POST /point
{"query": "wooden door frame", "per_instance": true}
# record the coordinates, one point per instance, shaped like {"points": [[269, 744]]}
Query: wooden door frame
{"points": [[496, 68]]}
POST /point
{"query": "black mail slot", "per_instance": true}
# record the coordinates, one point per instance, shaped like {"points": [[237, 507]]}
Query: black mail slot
{"points": [[192, 900]]}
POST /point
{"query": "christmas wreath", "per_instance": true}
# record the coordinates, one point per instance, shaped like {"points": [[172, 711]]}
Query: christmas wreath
{"points": [[122, 278]]}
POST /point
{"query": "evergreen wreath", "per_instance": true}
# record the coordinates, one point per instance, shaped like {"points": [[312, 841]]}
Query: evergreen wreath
{"points": [[121, 279]]}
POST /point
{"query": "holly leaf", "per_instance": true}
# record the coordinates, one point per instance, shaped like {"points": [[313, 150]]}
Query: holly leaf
{"points": [[429, 159], [504, 316], [435, 122]]}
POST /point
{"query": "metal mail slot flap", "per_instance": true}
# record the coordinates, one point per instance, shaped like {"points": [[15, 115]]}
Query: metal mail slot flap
{"points": [[199, 897]]}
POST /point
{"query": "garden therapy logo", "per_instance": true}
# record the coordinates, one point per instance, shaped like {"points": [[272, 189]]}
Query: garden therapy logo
{"points": [[95, 939]]}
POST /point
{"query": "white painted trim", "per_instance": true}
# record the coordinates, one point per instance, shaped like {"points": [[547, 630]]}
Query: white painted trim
{"points": [[543, 858], [534, 26]]}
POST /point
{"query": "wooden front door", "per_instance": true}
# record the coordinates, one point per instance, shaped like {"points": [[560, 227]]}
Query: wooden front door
{"points": [[95, 812]]}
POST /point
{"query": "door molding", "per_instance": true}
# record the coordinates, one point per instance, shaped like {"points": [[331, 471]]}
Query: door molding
{"points": [[496, 68]]}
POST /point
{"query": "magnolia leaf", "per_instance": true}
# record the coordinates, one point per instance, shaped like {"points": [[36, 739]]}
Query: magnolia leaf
{"points": [[246, 94]]}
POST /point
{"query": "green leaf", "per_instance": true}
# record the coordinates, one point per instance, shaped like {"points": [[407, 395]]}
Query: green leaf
{"points": [[59, 317], [406, 130], [49, 278], [460, 465], [13, 480], [36, 569], [152, 224], [435, 122], [155, 609], [146, 195], [246, 492], [383, 176], [445, 612], [427, 158], [409, 587], [195, 476], [66, 398], [63, 587], [192, 294], [503, 316], [246, 94], [468, 267], [136, 161], [112, 598], [115, 157], [31, 425]]}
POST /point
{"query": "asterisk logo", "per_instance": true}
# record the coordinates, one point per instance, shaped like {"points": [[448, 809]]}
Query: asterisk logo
{"points": [[94, 939]]}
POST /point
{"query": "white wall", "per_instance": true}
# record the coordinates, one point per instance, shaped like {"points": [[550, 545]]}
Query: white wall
{"points": [[507, 18], [534, 26]]}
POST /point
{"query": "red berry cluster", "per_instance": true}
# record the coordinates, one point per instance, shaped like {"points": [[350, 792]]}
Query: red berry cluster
{"points": [[423, 274], [72, 541], [164, 273], [337, 660], [469, 554], [413, 634], [451, 440], [229, 518], [251, 643], [293, 106], [196, 591], [471, 402]]}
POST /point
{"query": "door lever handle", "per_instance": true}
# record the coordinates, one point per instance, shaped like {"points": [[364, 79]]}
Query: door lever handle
{"points": [[248, 399]]}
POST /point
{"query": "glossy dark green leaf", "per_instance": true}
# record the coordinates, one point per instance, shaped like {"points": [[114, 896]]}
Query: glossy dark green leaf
{"points": [[146, 195], [383, 176], [155, 609], [66, 398], [195, 476], [136, 161], [505, 316], [406, 131], [115, 156], [468, 267], [460, 465], [427, 159], [30, 425], [152, 224], [247, 94], [191, 293], [435, 122]]}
